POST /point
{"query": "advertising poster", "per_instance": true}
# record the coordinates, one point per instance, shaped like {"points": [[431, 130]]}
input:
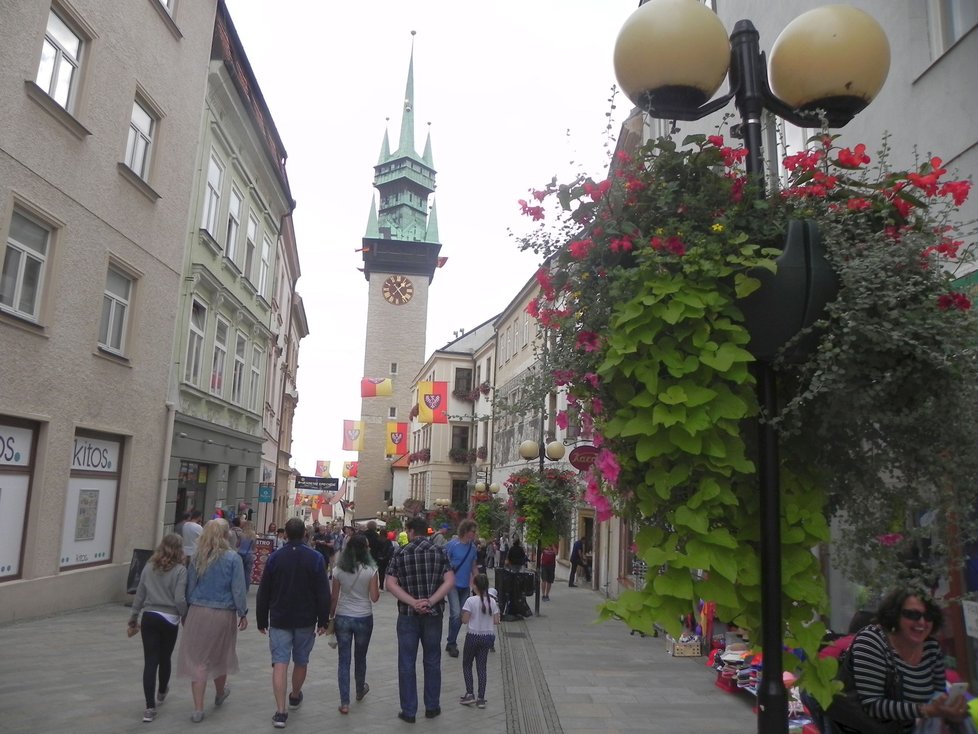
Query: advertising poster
{"points": [[263, 549]]}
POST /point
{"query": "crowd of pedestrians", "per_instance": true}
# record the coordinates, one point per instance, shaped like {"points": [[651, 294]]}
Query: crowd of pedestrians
{"points": [[317, 582]]}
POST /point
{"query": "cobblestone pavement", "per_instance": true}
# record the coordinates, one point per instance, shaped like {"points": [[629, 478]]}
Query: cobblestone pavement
{"points": [[559, 672]]}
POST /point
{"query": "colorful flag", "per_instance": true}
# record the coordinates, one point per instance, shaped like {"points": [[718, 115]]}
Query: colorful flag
{"points": [[322, 468], [298, 499], [432, 402], [374, 387], [397, 438], [350, 468], [353, 435]]}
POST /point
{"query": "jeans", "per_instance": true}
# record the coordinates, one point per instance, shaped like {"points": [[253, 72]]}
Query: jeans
{"points": [[456, 599], [159, 637], [352, 635], [426, 630]]}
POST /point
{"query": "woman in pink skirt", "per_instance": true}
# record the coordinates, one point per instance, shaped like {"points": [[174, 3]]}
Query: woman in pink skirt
{"points": [[217, 596]]}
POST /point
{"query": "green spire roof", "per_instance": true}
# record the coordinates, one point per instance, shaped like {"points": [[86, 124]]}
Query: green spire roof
{"points": [[406, 145], [385, 148], [426, 157], [373, 230], [431, 235]]}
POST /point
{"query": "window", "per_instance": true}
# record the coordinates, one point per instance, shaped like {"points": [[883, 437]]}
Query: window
{"points": [[263, 268], [392, 412], [234, 224], [463, 380], [195, 342], [526, 328], [460, 493], [255, 396], [460, 437], [488, 369], [142, 125], [24, 258], [250, 244], [57, 73], [393, 368], [115, 311], [949, 20], [219, 361], [237, 379], [509, 342], [212, 200]]}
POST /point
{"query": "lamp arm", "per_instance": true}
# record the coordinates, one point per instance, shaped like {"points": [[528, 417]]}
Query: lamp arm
{"points": [[669, 112]]}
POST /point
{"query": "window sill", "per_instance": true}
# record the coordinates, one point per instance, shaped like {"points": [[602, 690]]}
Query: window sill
{"points": [[56, 111], [167, 19], [206, 238], [132, 177], [231, 266], [110, 356], [20, 322]]}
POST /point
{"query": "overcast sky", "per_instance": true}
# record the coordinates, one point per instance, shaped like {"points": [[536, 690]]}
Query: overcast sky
{"points": [[515, 92]]}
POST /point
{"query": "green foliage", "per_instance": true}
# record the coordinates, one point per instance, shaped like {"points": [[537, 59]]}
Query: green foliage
{"points": [[492, 518], [542, 503], [639, 298]]}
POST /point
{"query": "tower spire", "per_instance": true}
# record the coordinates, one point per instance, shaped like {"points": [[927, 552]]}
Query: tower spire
{"points": [[426, 156], [385, 148], [406, 145]]}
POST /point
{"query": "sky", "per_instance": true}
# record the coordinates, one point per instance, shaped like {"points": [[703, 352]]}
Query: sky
{"points": [[515, 92]]}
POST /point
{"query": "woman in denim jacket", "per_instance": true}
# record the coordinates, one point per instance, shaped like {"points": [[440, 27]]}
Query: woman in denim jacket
{"points": [[217, 596]]}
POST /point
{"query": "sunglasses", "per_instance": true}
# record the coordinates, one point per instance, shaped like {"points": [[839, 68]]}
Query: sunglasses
{"points": [[915, 615]]}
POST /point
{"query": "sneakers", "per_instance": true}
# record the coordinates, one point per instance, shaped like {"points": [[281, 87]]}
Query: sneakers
{"points": [[467, 700], [405, 718], [545, 598], [220, 698], [161, 695], [279, 720], [481, 703], [197, 717], [452, 650], [364, 692], [295, 701], [149, 715]]}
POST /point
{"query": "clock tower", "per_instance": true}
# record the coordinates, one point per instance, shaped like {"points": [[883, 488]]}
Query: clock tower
{"points": [[400, 254]]}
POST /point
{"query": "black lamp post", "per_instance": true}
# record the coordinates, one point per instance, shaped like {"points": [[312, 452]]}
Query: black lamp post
{"points": [[530, 450], [671, 57]]}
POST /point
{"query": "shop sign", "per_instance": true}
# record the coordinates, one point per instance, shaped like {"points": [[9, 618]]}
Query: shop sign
{"points": [[15, 445], [581, 457]]}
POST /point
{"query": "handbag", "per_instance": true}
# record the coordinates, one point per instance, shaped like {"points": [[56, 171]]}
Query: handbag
{"points": [[846, 709]]}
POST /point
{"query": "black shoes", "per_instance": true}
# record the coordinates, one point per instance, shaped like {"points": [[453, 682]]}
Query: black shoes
{"points": [[452, 650], [432, 713], [404, 717]]}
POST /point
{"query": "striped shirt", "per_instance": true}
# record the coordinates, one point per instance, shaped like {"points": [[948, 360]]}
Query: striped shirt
{"points": [[872, 655]]}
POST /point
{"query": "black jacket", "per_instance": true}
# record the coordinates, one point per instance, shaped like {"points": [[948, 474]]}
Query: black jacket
{"points": [[294, 590]]}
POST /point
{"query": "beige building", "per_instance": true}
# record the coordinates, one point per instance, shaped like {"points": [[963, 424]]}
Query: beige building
{"points": [[224, 437], [98, 137]]}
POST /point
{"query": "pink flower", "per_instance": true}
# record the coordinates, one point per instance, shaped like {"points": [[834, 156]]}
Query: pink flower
{"points": [[535, 212], [890, 539], [563, 377], [596, 191], [561, 419], [579, 249], [588, 341], [607, 464], [592, 379]]}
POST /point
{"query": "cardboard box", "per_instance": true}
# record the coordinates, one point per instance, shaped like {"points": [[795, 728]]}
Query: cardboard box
{"points": [[691, 649]]}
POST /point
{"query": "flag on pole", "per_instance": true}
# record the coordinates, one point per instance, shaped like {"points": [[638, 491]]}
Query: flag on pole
{"points": [[339, 495], [432, 402], [374, 387], [322, 468], [350, 468], [397, 442], [353, 435], [298, 498]]}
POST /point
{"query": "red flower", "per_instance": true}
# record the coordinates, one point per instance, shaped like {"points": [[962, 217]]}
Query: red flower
{"points": [[953, 300], [858, 205], [540, 195], [546, 284], [732, 155], [806, 160], [716, 140], [853, 158], [597, 191], [957, 189], [621, 244], [533, 308], [579, 249], [536, 212]]}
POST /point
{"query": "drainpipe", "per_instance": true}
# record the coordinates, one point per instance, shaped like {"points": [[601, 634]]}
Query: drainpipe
{"points": [[165, 471]]}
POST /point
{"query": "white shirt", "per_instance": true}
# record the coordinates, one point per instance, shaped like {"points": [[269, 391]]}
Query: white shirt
{"points": [[480, 622], [354, 592], [191, 534]]}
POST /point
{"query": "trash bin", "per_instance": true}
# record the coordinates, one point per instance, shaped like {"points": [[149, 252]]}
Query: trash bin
{"points": [[505, 581]]}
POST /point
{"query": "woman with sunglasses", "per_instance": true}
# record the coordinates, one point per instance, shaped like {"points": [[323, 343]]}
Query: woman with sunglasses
{"points": [[898, 666]]}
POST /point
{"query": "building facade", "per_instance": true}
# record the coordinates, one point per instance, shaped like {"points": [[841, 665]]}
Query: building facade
{"points": [[225, 337], [98, 139]]}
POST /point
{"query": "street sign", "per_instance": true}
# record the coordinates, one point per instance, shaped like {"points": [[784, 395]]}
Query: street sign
{"points": [[317, 484], [581, 457], [265, 492]]}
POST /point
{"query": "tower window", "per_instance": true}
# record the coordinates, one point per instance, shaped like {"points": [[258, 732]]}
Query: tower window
{"points": [[392, 412], [393, 368]]}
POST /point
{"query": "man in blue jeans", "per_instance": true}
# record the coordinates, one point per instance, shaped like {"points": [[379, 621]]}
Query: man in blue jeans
{"points": [[461, 553], [420, 578], [294, 596]]}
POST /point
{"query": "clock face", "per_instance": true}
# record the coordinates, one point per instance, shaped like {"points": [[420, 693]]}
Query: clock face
{"points": [[398, 290]]}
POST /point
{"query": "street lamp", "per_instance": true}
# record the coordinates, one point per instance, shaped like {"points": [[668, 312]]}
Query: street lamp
{"points": [[530, 450], [670, 58]]}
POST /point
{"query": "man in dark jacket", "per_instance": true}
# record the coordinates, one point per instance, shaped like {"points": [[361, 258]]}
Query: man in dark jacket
{"points": [[294, 596]]}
